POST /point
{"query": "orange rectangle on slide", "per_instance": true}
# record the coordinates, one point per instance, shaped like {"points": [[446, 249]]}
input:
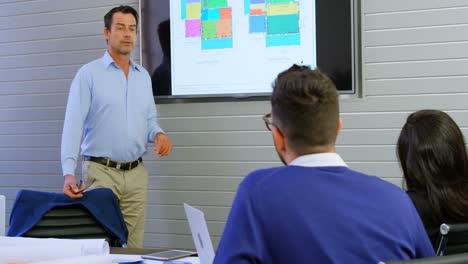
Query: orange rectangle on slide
{"points": [[256, 12], [224, 28], [225, 13]]}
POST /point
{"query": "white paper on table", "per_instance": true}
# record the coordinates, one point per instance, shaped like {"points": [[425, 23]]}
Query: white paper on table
{"points": [[21, 249], [94, 246], [29, 253], [87, 246], [118, 258], [92, 259], [192, 260]]}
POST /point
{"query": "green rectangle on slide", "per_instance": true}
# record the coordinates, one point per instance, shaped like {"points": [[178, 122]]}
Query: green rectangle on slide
{"points": [[279, 1], [209, 29], [282, 24], [214, 3]]}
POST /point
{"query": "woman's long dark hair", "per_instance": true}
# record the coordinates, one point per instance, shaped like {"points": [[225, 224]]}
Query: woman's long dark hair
{"points": [[433, 157]]}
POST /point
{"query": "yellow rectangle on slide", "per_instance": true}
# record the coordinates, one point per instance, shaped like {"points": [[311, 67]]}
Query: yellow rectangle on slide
{"points": [[282, 9], [194, 11]]}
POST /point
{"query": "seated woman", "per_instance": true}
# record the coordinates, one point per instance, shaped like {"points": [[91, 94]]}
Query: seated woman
{"points": [[433, 157]]}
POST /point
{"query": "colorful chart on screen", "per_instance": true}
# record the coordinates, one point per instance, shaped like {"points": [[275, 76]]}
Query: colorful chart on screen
{"points": [[238, 46]]}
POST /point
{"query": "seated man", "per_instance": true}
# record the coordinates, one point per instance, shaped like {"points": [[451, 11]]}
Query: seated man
{"points": [[316, 209]]}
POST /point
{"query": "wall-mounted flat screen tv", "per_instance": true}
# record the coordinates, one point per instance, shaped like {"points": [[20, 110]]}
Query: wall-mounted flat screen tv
{"points": [[235, 48]]}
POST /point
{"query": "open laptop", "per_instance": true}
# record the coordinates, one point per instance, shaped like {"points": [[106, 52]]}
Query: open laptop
{"points": [[200, 234]]}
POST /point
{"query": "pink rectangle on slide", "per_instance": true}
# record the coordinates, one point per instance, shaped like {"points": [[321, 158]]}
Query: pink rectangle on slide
{"points": [[193, 28]]}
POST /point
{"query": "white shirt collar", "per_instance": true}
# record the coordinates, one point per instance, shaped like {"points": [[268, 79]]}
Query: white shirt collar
{"points": [[329, 159]]}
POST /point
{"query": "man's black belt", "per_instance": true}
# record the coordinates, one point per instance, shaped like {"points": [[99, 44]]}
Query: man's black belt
{"points": [[115, 164]]}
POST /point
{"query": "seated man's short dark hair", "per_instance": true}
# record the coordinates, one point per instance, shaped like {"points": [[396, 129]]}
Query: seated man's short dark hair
{"points": [[305, 107]]}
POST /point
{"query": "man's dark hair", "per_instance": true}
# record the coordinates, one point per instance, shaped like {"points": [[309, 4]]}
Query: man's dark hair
{"points": [[164, 34], [305, 108], [122, 9], [432, 154]]}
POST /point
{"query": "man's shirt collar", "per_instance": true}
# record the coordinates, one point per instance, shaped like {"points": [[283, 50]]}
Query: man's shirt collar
{"points": [[329, 159], [108, 60]]}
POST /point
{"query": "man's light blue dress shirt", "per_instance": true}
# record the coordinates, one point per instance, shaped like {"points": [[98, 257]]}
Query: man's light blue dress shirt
{"points": [[115, 116]]}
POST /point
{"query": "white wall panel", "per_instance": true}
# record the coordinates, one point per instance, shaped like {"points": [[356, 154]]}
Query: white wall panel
{"points": [[31, 127], [201, 168], [417, 18], [60, 17], [50, 59], [417, 85], [38, 100], [39, 73], [422, 52], [380, 6], [16, 8], [51, 32], [35, 87], [32, 113], [78, 43], [414, 36]]}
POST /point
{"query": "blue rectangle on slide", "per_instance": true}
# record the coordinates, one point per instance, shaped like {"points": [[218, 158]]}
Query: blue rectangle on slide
{"points": [[246, 7], [257, 24], [283, 40], [211, 14], [257, 1], [222, 43], [204, 14], [193, 1], [183, 10]]}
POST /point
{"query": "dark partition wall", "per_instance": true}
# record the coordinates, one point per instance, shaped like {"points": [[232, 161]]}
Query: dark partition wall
{"points": [[334, 41]]}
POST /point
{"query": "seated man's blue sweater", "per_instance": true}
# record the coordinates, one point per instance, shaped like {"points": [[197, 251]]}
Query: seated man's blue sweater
{"points": [[332, 214]]}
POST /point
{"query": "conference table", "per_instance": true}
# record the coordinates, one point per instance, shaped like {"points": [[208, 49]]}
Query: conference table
{"points": [[134, 251]]}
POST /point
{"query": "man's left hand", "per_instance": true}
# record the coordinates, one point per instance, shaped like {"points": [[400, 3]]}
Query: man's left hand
{"points": [[162, 145]]}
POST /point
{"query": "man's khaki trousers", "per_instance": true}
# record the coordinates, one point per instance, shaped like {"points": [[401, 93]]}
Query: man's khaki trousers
{"points": [[130, 188]]}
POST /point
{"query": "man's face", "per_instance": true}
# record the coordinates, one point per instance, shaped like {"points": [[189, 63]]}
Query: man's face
{"points": [[121, 38]]}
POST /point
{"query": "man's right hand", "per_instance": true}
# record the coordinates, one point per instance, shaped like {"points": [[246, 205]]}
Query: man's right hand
{"points": [[70, 187]]}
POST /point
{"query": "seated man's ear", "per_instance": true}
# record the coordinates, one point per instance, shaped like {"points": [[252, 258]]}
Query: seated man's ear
{"points": [[340, 126], [279, 140]]}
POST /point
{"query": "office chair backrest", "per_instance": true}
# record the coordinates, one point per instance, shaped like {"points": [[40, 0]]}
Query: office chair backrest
{"points": [[453, 239], [55, 215], [452, 259], [73, 222], [2, 215]]}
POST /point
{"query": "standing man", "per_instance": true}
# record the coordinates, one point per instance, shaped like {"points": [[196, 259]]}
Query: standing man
{"points": [[111, 106], [316, 209]]}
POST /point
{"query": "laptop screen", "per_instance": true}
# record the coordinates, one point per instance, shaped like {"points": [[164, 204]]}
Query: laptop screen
{"points": [[200, 234]]}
